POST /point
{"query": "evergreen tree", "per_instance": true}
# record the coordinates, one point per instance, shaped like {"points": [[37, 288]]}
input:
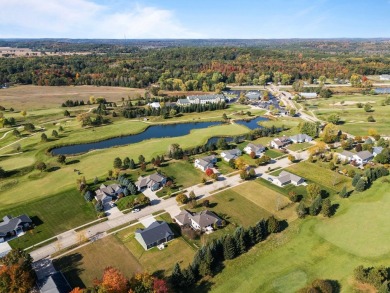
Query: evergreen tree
{"points": [[326, 209], [240, 240], [132, 164], [229, 248], [189, 277], [361, 185], [132, 188], [343, 193], [126, 163], [177, 276], [54, 133], [261, 231], [251, 236], [141, 159], [301, 210], [315, 207], [273, 225], [43, 137], [355, 179], [117, 163], [206, 266]]}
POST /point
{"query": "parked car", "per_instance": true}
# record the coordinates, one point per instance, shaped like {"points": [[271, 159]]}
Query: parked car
{"points": [[135, 210]]}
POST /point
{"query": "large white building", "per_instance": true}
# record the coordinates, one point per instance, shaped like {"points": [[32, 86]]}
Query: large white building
{"points": [[201, 99]]}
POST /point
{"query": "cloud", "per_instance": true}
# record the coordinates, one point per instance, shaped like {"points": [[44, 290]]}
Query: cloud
{"points": [[87, 19]]}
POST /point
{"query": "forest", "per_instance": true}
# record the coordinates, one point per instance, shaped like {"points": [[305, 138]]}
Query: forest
{"points": [[190, 67]]}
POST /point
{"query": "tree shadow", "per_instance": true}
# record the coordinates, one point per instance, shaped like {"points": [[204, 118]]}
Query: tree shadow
{"points": [[36, 221], [202, 287], [334, 208], [335, 285], [70, 266], [283, 225], [324, 194], [72, 162], [212, 205], [160, 274], [54, 168]]}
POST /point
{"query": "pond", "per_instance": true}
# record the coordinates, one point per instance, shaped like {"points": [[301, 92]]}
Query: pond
{"points": [[154, 131], [382, 90]]}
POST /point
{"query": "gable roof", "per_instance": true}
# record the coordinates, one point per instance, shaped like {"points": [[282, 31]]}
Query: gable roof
{"points": [[364, 155], [233, 152], [10, 224], [150, 179], [300, 136], [377, 150], [255, 147], [285, 177], [205, 97], [281, 141], [155, 232], [203, 218], [55, 283], [347, 154], [205, 161]]}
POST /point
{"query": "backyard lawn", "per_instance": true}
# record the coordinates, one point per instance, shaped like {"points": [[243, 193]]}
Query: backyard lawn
{"points": [[85, 264], [316, 247], [273, 154], [299, 146], [52, 215]]}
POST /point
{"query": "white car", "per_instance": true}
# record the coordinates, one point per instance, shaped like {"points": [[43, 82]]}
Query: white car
{"points": [[135, 211]]}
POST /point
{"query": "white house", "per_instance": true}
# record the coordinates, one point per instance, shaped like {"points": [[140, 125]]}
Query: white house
{"points": [[154, 105], [202, 221], [363, 157], [308, 95], [204, 99], [205, 162], [253, 96], [298, 138], [346, 156], [285, 178], [280, 142], [231, 154], [384, 77], [258, 149]]}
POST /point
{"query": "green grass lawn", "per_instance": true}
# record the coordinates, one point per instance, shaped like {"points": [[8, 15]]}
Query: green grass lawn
{"points": [[316, 248], [52, 216], [355, 119], [82, 266], [329, 179], [299, 146], [183, 173], [273, 154]]}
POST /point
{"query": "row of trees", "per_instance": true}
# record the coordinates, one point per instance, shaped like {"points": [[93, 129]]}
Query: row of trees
{"points": [[208, 259], [363, 181], [378, 277]]}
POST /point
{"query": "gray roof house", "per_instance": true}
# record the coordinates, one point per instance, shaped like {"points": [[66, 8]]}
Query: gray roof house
{"points": [[363, 157], [55, 283], [253, 96], [106, 193], [155, 234], [231, 154], [280, 142], [346, 156], [183, 102], [154, 182], [199, 221], [376, 150], [258, 149], [301, 137], [13, 226], [205, 162], [285, 178]]}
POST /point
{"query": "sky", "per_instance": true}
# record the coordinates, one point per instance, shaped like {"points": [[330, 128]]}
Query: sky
{"points": [[191, 19]]}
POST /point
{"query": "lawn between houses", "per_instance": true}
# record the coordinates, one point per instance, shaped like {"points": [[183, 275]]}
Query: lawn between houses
{"points": [[316, 247]]}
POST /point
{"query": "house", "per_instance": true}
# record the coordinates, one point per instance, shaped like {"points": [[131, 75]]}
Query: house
{"points": [[363, 157], [206, 99], [204, 220], [308, 95], [5, 248], [384, 77], [376, 150], [298, 138], [54, 283], [154, 182], [13, 226], [231, 154], [346, 156], [108, 193], [155, 234], [154, 105], [285, 178], [253, 96], [205, 162], [258, 149], [280, 142], [183, 102]]}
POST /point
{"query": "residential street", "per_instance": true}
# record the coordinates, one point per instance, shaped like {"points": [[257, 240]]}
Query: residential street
{"points": [[95, 232]]}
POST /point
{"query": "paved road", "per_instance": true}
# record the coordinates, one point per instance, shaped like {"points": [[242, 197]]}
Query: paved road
{"points": [[70, 238]]}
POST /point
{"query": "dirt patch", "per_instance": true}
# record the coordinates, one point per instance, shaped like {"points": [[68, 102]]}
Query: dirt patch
{"points": [[30, 97]]}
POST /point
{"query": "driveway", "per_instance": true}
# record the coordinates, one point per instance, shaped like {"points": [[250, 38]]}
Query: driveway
{"points": [[152, 196], [147, 221], [112, 212]]}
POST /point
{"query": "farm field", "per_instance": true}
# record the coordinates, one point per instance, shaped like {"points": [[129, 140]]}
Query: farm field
{"points": [[354, 118], [30, 97], [316, 248]]}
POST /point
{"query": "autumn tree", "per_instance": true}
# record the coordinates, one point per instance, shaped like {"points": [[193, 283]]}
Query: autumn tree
{"points": [[330, 133], [313, 190], [41, 166], [181, 198], [113, 281]]}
